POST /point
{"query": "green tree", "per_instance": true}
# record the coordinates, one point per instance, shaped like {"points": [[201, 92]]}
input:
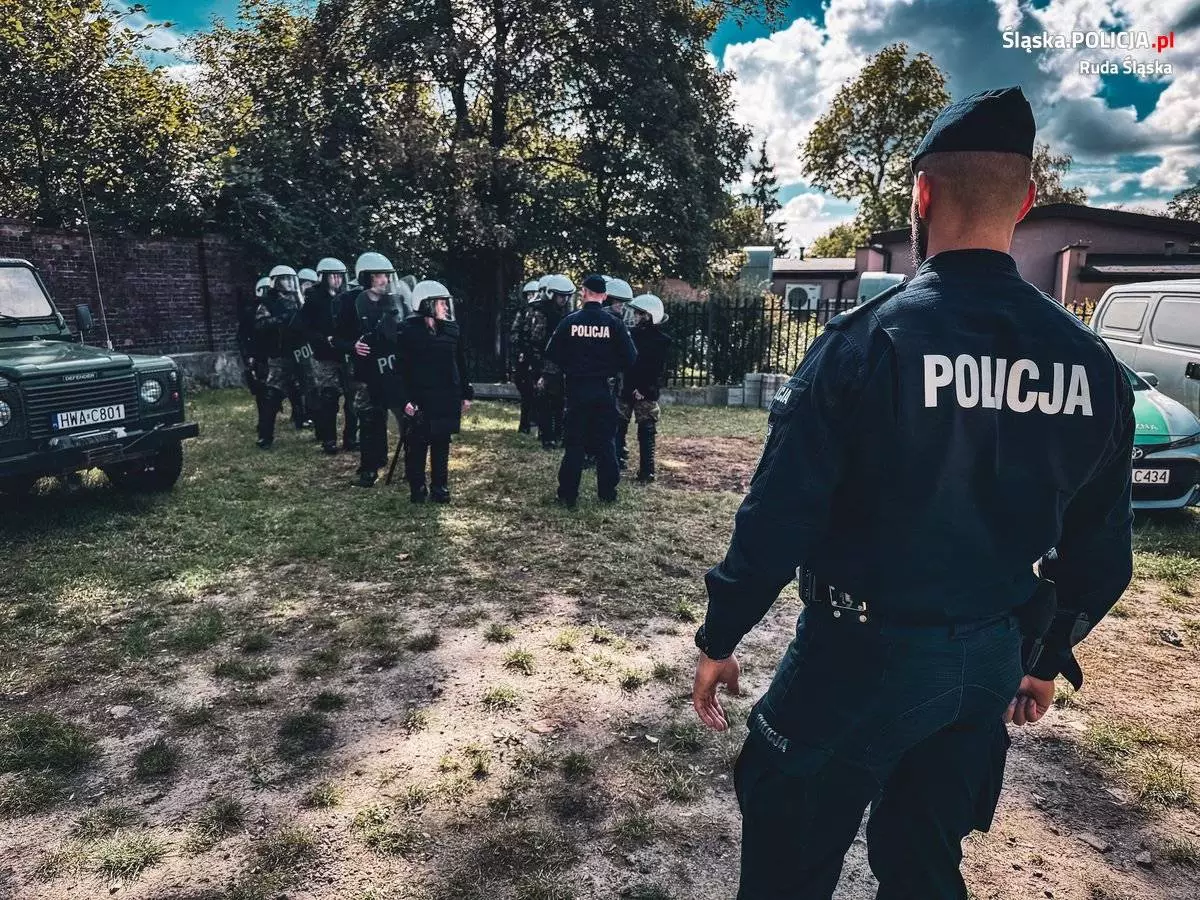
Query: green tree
{"points": [[764, 197], [861, 147], [82, 111], [1185, 204], [839, 241], [1048, 172], [315, 153]]}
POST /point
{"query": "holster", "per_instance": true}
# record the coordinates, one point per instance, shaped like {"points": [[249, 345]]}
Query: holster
{"points": [[1045, 627]]}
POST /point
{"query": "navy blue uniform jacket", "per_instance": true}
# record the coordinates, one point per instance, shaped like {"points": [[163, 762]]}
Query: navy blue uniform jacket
{"points": [[934, 443], [591, 346]]}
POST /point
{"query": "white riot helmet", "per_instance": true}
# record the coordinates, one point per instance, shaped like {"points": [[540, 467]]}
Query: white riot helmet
{"points": [[370, 263], [531, 287], [425, 295], [328, 269], [260, 287], [307, 275], [618, 290], [283, 279], [560, 284], [651, 306]]}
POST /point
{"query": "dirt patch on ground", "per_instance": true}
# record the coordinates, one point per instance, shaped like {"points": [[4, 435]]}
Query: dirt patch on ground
{"points": [[708, 464]]}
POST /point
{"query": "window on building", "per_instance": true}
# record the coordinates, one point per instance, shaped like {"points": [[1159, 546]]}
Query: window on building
{"points": [[1177, 321], [1125, 313]]}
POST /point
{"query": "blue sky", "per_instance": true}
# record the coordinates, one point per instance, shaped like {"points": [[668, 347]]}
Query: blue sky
{"points": [[1135, 137]]}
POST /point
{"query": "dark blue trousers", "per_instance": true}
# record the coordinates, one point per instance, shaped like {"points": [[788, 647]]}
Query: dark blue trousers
{"points": [[909, 720], [589, 429]]}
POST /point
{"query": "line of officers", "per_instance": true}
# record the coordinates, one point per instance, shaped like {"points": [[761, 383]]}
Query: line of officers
{"points": [[542, 367], [376, 345]]}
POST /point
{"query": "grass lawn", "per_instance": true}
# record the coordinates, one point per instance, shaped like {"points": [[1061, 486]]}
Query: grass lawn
{"points": [[269, 683]]}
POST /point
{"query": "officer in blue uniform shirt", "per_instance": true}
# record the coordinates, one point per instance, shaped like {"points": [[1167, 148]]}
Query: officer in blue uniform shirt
{"points": [[591, 346], [934, 445]]}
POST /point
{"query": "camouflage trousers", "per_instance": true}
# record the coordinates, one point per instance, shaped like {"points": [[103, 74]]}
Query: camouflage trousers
{"points": [[282, 377], [327, 380], [640, 410]]}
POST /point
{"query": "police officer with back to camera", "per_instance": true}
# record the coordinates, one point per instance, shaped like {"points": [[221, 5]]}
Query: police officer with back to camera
{"points": [[317, 318], [935, 444], [367, 326], [277, 340], [433, 390], [523, 355], [590, 346]]}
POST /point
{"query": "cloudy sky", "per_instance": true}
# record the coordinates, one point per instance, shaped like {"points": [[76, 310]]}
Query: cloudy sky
{"points": [[1135, 137]]}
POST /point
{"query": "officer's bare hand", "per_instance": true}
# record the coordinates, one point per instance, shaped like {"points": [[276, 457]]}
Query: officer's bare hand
{"points": [[466, 405], [362, 349], [410, 409], [709, 674], [1033, 700], [541, 384], [637, 395]]}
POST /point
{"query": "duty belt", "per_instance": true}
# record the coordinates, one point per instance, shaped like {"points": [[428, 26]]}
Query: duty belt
{"points": [[839, 602]]}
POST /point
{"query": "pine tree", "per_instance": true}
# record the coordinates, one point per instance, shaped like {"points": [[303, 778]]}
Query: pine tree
{"points": [[764, 197]]}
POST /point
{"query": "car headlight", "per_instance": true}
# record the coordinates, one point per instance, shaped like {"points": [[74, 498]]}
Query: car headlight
{"points": [[5, 413], [152, 391]]}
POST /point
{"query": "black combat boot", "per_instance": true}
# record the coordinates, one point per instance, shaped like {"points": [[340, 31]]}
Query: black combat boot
{"points": [[268, 409], [647, 435], [622, 446], [418, 493], [366, 478], [439, 470]]}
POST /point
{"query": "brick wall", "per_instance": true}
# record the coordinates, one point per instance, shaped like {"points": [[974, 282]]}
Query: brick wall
{"points": [[162, 295]]}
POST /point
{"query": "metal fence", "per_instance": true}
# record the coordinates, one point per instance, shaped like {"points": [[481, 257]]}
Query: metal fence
{"points": [[713, 342]]}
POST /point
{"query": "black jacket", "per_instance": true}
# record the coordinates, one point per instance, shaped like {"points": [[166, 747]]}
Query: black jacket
{"points": [[316, 323], [432, 373], [375, 323], [646, 374], [275, 333], [591, 346]]}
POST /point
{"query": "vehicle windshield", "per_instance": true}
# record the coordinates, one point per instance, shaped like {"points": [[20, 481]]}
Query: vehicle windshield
{"points": [[1138, 384], [21, 296]]}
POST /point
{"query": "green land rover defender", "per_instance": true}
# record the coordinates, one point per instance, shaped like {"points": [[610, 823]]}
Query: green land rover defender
{"points": [[66, 406]]}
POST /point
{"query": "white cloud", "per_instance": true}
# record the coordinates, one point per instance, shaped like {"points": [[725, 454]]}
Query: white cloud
{"points": [[808, 216]]}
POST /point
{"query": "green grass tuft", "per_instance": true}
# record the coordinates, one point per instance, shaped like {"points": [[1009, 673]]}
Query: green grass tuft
{"points": [[423, 643], [320, 663], [519, 661], [324, 795], [126, 854], [30, 793], [242, 670], [301, 734], [499, 634], [202, 630], [156, 761], [286, 849], [41, 740], [378, 828], [501, 699], [104, 820], [328, 701]]}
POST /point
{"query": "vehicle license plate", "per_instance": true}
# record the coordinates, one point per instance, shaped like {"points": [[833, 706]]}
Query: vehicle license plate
{"points": [[80, 417], [1151, 476]]}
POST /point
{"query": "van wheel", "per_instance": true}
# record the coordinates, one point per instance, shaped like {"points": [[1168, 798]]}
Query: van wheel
{"points": [[153, 475]]}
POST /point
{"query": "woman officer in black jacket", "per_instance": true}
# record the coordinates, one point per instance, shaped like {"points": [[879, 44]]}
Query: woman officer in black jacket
{"points": [[433, 387]]}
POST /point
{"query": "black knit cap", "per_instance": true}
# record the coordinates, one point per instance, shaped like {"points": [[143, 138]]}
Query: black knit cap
{"points": [[999, 120], [596, 284]]}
